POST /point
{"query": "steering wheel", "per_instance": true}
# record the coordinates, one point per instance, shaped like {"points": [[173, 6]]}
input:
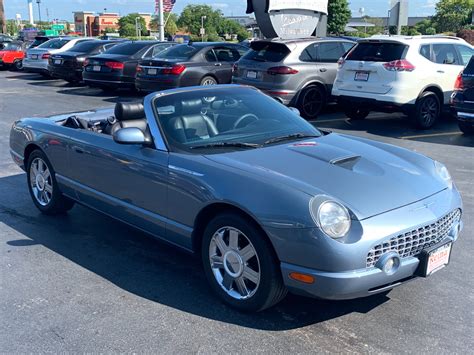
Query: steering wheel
{"points": [[248, 116]]}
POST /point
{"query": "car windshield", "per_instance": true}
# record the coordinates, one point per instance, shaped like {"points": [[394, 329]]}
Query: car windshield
{"points": [[378, 51], [211, 119], [54, 43], [181, 52], [267, 52], [10, 46], [128, 48]]}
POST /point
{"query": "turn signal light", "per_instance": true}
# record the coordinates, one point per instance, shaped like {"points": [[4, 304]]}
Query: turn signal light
{"points": [[283, 70], [115, 65], [174, 70], [307, 279]]}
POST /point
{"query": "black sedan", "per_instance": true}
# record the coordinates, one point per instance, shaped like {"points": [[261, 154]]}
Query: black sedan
{"points": [[117, 67], [463, 99], [69, 65], [189, 65]]}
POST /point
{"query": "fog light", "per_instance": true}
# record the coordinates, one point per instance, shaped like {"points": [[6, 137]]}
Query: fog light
{"points": [[389, 263]]}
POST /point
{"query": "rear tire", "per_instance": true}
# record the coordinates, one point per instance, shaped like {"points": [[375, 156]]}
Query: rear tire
{"points": [[356, 113], [311, 102], [17, 65], [244, 272], [466, 128], [43, 186], [208, 80], [427, 110]]}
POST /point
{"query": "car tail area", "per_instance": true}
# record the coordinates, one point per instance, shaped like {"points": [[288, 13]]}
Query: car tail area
{"points": [[372, 67], [104, 64], [264, 65], [38, 54], [157, 69]]}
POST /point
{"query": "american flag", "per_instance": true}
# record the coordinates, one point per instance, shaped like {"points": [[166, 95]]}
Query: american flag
{"points": [[167, 5]]}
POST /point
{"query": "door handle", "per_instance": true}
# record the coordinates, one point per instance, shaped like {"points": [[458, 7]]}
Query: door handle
{"points": [[323, 70], [218, 64], [78, 150], [440, 71]]}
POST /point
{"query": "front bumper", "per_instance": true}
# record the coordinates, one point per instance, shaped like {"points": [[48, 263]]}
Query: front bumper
{"points": [[342, 270]]}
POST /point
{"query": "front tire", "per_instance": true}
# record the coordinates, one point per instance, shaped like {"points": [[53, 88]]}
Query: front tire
{"points": [[427, 110], [17, 65], [466, 128], [43, 186], [240, 264]]}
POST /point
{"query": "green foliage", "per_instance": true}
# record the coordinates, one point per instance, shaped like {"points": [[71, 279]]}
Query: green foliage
{"points": [[452, 15], [127, 25], [215, 24], [338, 17], [12, 27], [171, 27], [430, 31]]}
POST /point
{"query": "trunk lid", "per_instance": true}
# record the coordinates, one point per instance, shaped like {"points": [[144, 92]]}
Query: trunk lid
{"points": [[363, 69]]}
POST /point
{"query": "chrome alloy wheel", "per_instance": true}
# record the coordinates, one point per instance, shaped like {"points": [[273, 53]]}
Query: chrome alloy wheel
{"points": [[429, 111], [41, 182], [234, 263], [208, 81]]}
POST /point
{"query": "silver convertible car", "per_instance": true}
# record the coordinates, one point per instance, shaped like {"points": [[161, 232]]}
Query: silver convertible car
{"points": [[267, 201]]}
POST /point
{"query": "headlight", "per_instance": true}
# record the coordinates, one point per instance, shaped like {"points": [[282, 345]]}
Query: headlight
{"points": [[332, 217], [443, 173]]}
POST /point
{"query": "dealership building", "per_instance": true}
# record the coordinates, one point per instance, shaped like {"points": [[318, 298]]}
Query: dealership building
{"points": [[89, 23]]}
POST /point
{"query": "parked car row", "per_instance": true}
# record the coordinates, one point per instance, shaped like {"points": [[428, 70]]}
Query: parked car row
{"points": [[414, 75]]}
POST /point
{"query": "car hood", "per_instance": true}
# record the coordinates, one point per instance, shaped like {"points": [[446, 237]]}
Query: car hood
{"points": [[370, 178]]}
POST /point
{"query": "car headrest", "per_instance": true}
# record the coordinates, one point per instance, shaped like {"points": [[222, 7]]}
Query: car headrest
{"points": [[126, 111], [191, 107]]}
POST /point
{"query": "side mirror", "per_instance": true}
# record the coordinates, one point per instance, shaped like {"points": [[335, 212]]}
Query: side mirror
{"points": [[130, 135], [295, 110]]}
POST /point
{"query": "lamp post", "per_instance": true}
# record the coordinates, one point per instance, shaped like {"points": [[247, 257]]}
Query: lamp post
{"points": [[39, 10], [138, 28], [203, 31]]}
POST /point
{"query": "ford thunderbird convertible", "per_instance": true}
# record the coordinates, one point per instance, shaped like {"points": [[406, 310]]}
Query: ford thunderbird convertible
{"points": [[268, 202]]}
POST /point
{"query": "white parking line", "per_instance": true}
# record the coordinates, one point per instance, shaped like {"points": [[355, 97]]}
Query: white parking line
{"points": [[432, 135]]}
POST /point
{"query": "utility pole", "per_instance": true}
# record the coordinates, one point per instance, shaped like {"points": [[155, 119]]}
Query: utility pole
{"points": [[161, 24], [3, 22], [203, 30], [39, 11], [138, 27]]}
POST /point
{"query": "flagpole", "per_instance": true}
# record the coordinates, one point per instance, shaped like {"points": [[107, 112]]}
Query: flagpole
{"points": [[161, 23]]}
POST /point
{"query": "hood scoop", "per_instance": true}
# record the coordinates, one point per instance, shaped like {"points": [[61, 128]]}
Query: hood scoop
{"points": [[346, 162]]}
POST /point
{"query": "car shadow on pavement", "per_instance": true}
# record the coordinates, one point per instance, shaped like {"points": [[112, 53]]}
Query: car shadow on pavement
{"points": [[148, 268], [397, 126]]}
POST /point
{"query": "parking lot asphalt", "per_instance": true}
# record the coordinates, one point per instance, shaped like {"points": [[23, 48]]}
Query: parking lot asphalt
{"points": [[84, 282]]}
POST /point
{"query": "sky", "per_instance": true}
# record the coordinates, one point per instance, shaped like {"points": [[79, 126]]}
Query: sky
{"points": [[62, 9]]}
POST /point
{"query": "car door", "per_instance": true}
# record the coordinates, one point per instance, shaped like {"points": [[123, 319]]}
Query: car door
{"points": [[210, 66], [128, 182], [226, 57], [448, 66]]}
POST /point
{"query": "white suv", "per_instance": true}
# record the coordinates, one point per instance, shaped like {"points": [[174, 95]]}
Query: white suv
{"points": [[414, 75]]}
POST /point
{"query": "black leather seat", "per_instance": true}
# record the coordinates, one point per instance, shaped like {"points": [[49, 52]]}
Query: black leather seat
{"points": [[191, 124], [131, 114]]}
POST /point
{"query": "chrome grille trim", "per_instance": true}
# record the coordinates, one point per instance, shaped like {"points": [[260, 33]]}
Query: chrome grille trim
{"points": [[413, 242]]}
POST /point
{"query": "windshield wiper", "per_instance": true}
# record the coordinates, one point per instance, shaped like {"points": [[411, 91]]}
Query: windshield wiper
{"points": [[291, 137], [226, 145]]}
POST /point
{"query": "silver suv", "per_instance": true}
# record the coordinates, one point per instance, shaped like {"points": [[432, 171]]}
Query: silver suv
{"points": [[298, 73]]}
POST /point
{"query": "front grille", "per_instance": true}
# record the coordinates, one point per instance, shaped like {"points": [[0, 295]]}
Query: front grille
{"points": [[413, 242]]}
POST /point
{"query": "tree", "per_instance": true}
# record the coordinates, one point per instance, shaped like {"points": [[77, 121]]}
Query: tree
{"points": [[171, 27], [452, 15], [127, 25], [12, 27], [190, 19], [338, 16]]}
